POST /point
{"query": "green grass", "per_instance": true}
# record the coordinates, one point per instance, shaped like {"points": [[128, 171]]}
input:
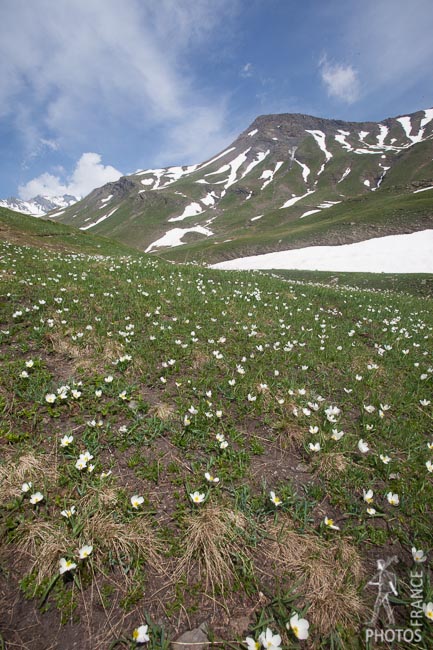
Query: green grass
{"points": [[195, 354]]}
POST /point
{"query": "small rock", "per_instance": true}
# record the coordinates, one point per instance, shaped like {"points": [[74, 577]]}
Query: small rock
{"points": [[192, 640]]}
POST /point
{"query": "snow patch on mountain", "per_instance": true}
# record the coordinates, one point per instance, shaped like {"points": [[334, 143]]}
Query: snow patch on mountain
{"points": [[261, 155], [295, 199], [345, 174], [95, 223], [305, 169], [174, 237], [391, 254], [320, 138], [191, 210], [268, 174]]}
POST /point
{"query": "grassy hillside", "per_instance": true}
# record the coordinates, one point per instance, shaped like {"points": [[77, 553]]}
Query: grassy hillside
{"points": [[390, 212], [127, 383], [21, 229]]}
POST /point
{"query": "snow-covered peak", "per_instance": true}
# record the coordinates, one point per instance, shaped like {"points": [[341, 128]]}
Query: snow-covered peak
{"points": [[39, 205]]}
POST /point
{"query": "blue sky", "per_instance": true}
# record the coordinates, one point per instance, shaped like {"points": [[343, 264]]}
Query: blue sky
{"points": [[92, 89]]}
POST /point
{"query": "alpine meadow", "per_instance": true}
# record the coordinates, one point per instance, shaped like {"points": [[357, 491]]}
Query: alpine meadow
{"points": [[216, 386]]}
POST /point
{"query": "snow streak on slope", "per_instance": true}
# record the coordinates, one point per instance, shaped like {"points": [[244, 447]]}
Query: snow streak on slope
{"points": [[95, 223], [341, 138], [268, 174], [320, 138], [382, 135], [220, 155], [260, 157], [345, 173], [174, 237], [191, 210], [295, 199], [305, 170], [390, 254], [232, 167]]}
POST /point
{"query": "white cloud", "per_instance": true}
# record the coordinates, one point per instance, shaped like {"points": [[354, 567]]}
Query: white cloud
{"points": [[341, 80], [88, 174], [69, 70], [247, 70]]}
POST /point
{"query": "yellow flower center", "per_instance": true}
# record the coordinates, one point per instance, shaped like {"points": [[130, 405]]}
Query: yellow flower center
{"points": [[295, 630], [135, 634]]}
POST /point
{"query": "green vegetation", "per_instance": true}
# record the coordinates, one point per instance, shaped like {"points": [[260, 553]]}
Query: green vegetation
{"points": [[188, 445]]}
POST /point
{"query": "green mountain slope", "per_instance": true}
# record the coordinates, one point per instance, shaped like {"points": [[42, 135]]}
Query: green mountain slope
{"points": [[286, 181]]}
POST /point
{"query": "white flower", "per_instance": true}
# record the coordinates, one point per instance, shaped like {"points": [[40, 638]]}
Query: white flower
{"points": [[50, 398], [363, 446], [197, 497], [69, 512], [299, 627], [393, 499], [24, 374], [371, 511], [36, 498], [26, 486], [369, 408], [108, 379], [428, 610], [429, 466], [367, 496], [224, 444], [81, 463], [269, 640], [210, 478], [275, 500], [385, 459], [251, 398], [251, 644], [66, 565], [418, 556], [337, 435], [330, 523], [136, 501], [314, 447], [66, 440], [140, 634], [98, 392], [30, 363], [85, 551], [220, 437]]}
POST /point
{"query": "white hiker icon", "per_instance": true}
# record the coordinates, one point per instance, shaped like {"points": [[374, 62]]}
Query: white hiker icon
{"points": [[386, 582]]}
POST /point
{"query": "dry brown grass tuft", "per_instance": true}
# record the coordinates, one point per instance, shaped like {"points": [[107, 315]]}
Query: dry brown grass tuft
{"points": [[330, 464], [212, 540], [199, 359], [163, 411], [40, 470], [44, 543], [125, 541], [329, 574], [94, 355]]}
